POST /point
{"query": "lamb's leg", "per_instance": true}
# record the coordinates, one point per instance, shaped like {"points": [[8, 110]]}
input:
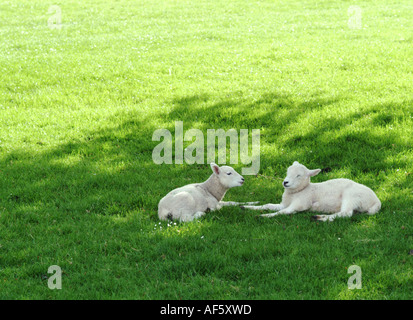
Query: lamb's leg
{"points": [[199, 214], [233, 203], [288, 210], [332, 217], [191, 217], [186, 218], [347, 209], [268, 206]]}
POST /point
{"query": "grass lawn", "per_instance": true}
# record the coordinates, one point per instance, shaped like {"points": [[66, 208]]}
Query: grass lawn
{"points": [[79, 105]]}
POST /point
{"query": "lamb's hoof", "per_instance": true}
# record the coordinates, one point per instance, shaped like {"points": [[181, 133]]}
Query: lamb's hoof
{"points": [[242, 207], [323, 218]]}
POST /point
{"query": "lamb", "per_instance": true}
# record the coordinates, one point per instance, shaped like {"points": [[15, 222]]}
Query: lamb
{"points": [[194, 200], [341, 197]]}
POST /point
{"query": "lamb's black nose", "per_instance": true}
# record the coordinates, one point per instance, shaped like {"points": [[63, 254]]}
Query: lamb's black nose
{"points": [[285, 183], [242, 179]]}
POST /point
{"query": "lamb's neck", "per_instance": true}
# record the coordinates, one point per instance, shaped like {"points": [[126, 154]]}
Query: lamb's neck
{"points": [[306, 187], [214, 187]]}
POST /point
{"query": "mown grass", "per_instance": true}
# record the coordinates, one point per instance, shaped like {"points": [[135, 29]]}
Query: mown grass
{"points": [[79, 105]]}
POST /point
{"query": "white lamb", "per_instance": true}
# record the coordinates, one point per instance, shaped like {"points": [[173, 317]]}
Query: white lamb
{"points": [[341, 197], [194, 200]]}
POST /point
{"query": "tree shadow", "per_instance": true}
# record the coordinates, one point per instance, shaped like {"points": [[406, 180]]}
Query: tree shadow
{"points": [[111, 170]]}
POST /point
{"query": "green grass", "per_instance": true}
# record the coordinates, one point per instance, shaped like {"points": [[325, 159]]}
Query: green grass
{"points": [[78, 107]]}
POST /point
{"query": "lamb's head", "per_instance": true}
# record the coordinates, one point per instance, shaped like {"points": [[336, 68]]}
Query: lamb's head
{"points": [[227, 176], [298, 176]]}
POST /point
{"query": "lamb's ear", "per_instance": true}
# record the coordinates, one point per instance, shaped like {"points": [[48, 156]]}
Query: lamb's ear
{"points": [[295, 163], [215, 168], [312, 173]]}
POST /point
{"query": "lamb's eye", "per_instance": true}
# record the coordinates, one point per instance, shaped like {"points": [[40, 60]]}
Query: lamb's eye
{"points": [[229, 173], [298, 176]]}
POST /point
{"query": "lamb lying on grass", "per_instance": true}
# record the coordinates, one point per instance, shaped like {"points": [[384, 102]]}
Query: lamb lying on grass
{"points": [[194, 200], [341, 197]]}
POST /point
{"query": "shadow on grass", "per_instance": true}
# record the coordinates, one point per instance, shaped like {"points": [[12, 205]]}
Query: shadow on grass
{"points": [[111, 171]]}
